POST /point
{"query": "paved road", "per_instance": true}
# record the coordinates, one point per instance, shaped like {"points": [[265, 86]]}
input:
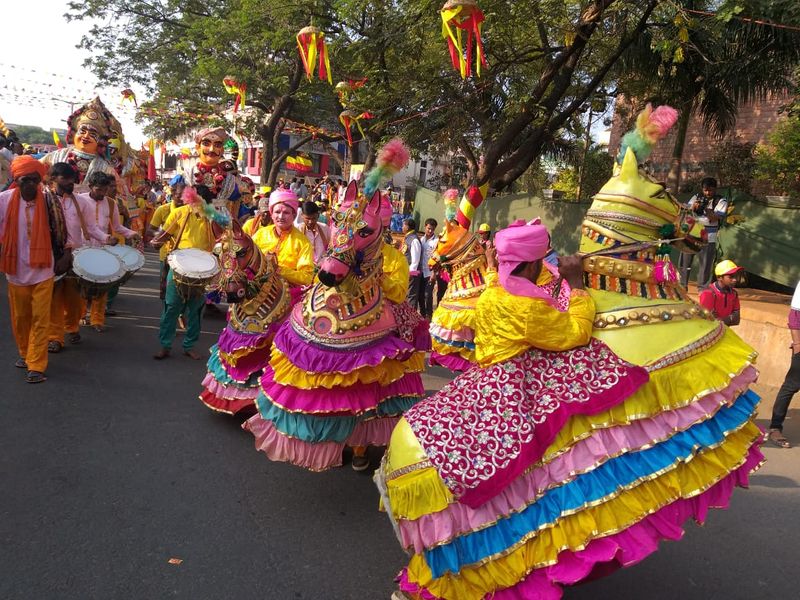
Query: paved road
{"points": [[113, 467]]}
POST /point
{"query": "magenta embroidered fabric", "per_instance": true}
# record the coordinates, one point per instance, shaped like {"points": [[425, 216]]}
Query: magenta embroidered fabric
{"points": [[488, 425]]}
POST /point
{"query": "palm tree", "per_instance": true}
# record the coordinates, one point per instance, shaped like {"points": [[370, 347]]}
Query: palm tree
{"points": [[709, 66]]}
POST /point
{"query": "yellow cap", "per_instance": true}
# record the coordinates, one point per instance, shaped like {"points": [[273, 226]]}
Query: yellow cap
{"points": [[484, 227], [726, 267]]}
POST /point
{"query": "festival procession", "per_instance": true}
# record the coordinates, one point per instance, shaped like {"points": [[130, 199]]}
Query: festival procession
{"points": [[487, 300]]}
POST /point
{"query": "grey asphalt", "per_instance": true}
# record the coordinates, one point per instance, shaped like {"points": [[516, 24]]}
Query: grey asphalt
{"points": [[113, 467]]}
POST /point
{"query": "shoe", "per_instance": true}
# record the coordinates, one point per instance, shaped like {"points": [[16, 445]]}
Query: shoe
{"points": [[192, 354], [98, 328], [85, 321], [360, 463], [161, 354], [777, 438], [54, 347], [35, 377], [20, 363], [74, 338]]}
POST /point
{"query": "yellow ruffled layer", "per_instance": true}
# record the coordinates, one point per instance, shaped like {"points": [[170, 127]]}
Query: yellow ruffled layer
{"points": [[464, 353], [575, 531], [385, 373], [669, 388], [455, 319]]}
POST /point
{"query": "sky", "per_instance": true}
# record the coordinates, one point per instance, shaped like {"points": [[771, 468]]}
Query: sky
{"points": [[42, 70]]}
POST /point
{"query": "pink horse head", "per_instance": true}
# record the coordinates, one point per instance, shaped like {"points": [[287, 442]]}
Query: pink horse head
{"points": [[241, 263], [355, 236]]}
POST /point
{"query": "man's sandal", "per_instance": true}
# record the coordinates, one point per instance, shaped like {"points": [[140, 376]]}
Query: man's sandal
{"points": [[20, 363], [35, 377], [777, 438], [54, 347]]}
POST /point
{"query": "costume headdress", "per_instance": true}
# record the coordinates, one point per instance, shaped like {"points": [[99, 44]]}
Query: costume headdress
{"points": [[450, 204], [94, 114], [216, 134]]}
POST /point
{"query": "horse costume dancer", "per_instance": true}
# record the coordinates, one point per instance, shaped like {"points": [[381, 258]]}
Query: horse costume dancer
{"points": [[260, 301], [343, 368], [549, 468], [461, 254]]}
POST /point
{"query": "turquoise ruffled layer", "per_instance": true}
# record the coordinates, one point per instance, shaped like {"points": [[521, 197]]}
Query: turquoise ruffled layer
{"points": [[313, 428], [590, 489], [214, 366]]}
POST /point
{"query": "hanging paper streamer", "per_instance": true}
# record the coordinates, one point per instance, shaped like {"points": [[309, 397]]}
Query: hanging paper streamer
{"points": [[460, 17], [349, 118], [651, 126], [129, 96], [471, 200], [345, 89], [57, 140], [239, 88], [311, 43]]}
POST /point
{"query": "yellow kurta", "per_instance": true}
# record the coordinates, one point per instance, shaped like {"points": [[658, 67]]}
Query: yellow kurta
{"points": [[158, 220], [196, 234], [293, 251], [395, 274], [507, 325]]}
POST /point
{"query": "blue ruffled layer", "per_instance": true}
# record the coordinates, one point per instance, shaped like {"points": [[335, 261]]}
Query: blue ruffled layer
{"points": [[215, 367], [590, 487], [317, 428], [452, 344]]}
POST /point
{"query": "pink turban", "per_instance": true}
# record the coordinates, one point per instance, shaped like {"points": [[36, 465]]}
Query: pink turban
{"points": [[286, 197], [523, 242], [212, 133]]}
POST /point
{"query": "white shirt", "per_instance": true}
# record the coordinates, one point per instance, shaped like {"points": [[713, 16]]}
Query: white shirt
{"points": [[428, 248], [319, 239], [26, 275]]}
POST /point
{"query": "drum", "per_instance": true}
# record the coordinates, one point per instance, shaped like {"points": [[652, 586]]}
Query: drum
{"points": [[193, 269], [97, 270], [132, 258]]}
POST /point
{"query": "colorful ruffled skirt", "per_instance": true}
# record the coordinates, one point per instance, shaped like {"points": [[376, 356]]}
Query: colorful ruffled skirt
{"points": [[553, 468], [453, 336], [234, 370], [314, 400]]}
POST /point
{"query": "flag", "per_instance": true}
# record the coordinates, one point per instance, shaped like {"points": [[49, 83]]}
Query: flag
{"points": [[151, 162], [57, 140]]}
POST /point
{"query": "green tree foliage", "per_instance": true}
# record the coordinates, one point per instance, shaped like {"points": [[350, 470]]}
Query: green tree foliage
{"points": [[31, 134], [733, 163], [709, 63], [778, 161], [597, 168]]}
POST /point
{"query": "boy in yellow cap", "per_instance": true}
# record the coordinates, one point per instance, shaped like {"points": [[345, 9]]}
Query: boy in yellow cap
{"points": [[721, 297], [485, 233]]}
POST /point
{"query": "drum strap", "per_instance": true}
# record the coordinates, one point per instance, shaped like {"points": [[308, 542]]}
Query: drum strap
{"points": [[111, 206], [182, 229], [81, 218]]}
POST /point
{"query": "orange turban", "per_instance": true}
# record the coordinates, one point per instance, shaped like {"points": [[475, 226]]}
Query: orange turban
{"points": [[27, 165]]}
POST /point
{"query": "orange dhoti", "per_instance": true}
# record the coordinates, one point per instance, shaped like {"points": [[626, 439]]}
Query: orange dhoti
{"points": [[97, 309], [30, 321], [66, 310]]}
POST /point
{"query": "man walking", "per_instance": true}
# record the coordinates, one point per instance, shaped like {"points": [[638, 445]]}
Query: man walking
{"points": [[791, 384], [412, 248], [710, 210]]}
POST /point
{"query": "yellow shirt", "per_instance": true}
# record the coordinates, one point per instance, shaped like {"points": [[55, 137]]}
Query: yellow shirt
{"points": [[196, 234], [252, 225], [395, 274], [507, 325], [292, 250], [158, 220]]}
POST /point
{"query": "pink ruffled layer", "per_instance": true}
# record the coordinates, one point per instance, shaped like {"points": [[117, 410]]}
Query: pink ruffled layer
{"points": [[230, 407], [247, 364], [458, 519], [622, 549], [465, 334], [229, 392], [321, 456], [454, 362], [353, 400]]}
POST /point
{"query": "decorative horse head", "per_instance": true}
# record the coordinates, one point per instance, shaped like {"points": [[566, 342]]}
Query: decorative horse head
{"points": [[456, 245], [243, 267], [355, 237]]}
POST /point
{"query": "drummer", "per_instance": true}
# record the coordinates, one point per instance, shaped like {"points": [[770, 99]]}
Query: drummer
{"points": [[67, 307], [177, 184], [291, 248], [106, 217], [185, 227]]}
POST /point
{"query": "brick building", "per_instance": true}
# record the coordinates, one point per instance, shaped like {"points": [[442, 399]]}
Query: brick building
{"points": [[754, 122]]}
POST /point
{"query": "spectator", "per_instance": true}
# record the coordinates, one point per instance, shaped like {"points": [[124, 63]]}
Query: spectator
{"points": [[710, 210], [485, 234], [315, 232], [430, 276], [302, 190], [791, 384], [721, 297], [412, 248]]}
